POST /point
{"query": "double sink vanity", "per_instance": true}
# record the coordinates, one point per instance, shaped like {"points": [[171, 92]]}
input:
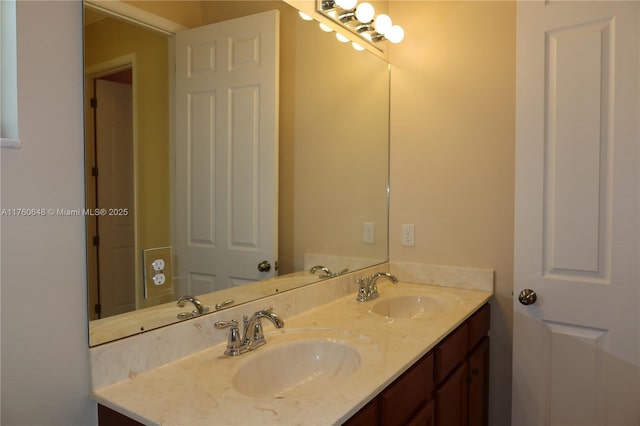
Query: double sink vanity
{"points": [[415, 354]]}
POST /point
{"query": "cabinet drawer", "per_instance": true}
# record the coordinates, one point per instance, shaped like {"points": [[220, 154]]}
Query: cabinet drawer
{"points": [[451, 352], [479, 325], [408, 393]]}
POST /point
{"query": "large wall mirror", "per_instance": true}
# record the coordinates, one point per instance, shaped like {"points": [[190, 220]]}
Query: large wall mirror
{"points": [[225, 188]]}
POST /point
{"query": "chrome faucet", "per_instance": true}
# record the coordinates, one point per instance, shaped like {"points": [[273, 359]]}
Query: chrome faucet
{"points": [[327, 271], [200, 308], [387, 275], [368, 289], [252, 336]]}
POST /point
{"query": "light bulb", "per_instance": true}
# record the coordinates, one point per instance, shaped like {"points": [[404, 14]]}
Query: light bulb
{"points": [[382, 24], [365, 13], [325, 28], [342, 38], [304, 16], [346, 4], [395, 34], [356, 46]]}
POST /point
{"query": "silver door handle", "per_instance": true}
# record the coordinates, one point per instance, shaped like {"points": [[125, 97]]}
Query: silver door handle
{"points": [[264, 266], [527, 297]]}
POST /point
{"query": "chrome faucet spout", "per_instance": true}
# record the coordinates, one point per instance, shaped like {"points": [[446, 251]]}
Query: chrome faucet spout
{"points": [[253, 336], [387, 275], [327, 271], [368, 289], [200, 308], [265, 313]]}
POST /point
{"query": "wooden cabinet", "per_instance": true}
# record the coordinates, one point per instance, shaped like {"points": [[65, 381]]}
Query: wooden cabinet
{"points": [[108, 417], [479, 384], [449, 386], [462, 374]]}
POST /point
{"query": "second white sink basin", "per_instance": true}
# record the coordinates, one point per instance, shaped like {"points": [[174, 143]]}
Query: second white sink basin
{"points": [[297, 368], [411, 307]]}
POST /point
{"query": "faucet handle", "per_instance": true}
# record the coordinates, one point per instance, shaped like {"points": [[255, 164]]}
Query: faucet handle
{"points": [[258, 335], [225, 324], [235, 342], [362, 290]]}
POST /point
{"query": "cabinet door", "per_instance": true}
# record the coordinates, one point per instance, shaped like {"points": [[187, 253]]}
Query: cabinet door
{"points": [[451, 352], [108, 417], [451, 399], [367, 416], [425, 417], [479, 384], [407, 394]]}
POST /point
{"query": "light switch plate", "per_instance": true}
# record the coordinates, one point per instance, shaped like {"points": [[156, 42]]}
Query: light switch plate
{"points": [[368, 232], [408, 238], [151, 289]]}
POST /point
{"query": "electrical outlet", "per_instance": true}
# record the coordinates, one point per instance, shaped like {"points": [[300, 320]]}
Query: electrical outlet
{"points": [[369, 229], [157, 272], [408, 238]]}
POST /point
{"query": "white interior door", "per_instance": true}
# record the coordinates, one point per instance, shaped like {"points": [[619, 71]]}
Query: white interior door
{"points": [[114, 155], [226, 152], [577, 212]]}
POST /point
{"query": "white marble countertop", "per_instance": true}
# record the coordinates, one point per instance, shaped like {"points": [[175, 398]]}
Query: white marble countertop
{"points": [[198, 390]]}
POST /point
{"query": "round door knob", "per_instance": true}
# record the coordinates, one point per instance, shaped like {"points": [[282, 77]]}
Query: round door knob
{"points": [[264, 266], [527, 297]]}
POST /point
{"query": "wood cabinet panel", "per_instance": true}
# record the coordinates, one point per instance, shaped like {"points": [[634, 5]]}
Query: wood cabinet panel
{"points": [[479, 384], [451, 399], [408, 393], [424, 417], [109, 417], [367, 416], [451, 352], [479, 324]]}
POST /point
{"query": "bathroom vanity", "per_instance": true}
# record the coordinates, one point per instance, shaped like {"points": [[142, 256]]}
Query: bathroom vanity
{"points": [[418, 354], [452, 380]]}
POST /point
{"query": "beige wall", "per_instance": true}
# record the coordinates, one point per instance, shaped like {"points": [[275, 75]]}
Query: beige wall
{"points": [[341, 148], [45, 362], [452, 151]]}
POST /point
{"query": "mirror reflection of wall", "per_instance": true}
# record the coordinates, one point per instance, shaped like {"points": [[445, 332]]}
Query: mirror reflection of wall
{"points": [[110, 46], [333, 145]]}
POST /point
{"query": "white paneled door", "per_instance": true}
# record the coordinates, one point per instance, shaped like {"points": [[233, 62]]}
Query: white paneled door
{"points": [[114, 158], [576, 348], [226, 152]]}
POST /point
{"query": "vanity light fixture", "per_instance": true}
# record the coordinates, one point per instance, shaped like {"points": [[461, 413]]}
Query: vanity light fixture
{"points": [[304, 16], [342, 38], [325, 28], [361, 19], [365, 13]]}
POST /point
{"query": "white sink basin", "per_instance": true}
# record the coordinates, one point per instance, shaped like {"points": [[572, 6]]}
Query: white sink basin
{"points": [[297, 368], [412, 307]]}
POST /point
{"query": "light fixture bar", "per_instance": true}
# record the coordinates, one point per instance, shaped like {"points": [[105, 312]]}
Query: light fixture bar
{"points": [[361, 20]]}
